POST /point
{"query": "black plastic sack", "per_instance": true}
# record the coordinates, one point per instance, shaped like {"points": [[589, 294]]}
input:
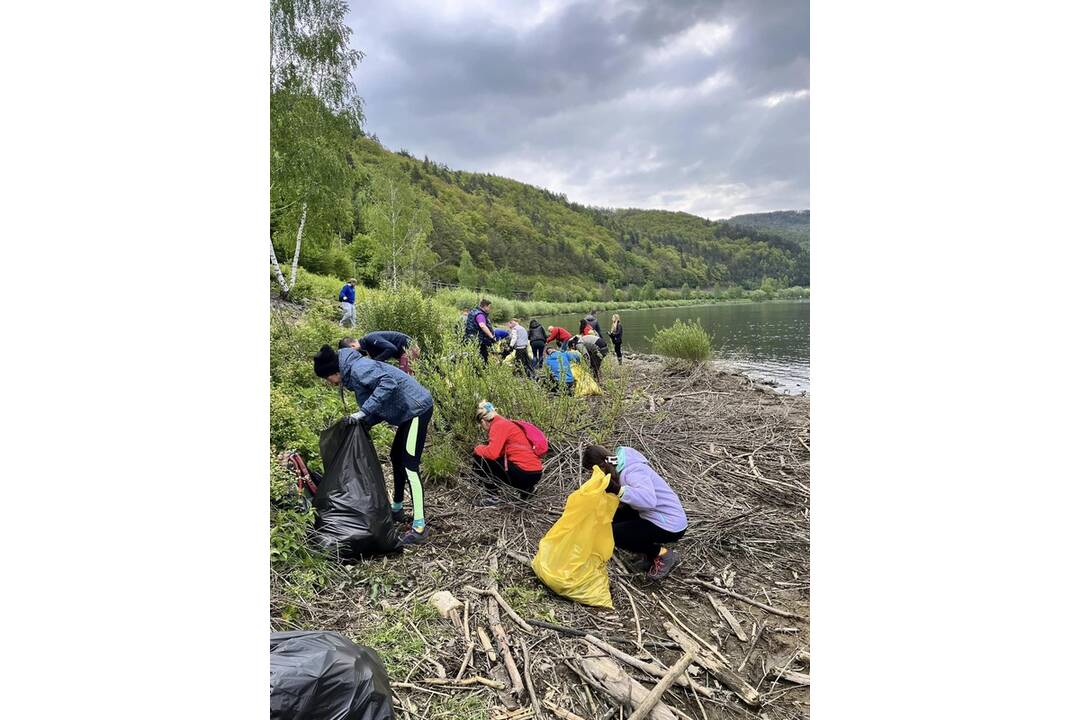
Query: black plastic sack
{"points": [[323, 676], [352, 511]]}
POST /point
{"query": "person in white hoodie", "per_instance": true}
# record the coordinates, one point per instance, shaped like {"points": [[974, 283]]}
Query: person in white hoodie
{"points": [[649, 516]]}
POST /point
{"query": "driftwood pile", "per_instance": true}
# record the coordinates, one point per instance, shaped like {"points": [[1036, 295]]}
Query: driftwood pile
{"points": [[726, 635]]}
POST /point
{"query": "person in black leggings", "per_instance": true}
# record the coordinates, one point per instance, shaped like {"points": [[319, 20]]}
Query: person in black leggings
{"points": [[507, 458], [615, 333]]}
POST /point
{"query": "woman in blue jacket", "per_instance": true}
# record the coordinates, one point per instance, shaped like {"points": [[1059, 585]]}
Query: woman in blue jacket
{"points": [[386, 394]]}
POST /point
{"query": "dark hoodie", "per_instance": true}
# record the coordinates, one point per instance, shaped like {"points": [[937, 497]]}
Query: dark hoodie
{"points": [[537, 333]]}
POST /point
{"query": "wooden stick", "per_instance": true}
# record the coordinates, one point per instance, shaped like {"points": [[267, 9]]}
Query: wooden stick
{"points": [[485, 642], [728, 677], [466, 621], [474, 680], [500, 636], [560, 713], [637, 618], [750, 601], [661, 687], [528, 677], [492, 592], [791, 676], [723, 612], [757, 633], [465, 661], [704, 643], [646, 667], [607, 676]]}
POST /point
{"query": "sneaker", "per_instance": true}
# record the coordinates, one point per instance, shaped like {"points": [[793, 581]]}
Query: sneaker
{"points": [[398, 516], [416, 537], [662, 565], [488, 501], [644, 563]]}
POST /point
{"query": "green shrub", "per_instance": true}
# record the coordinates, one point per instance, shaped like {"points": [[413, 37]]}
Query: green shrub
{"points": [[406, 311], [686, 341]]}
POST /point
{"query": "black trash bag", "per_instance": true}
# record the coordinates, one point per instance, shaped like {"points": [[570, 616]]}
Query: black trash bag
{"points": [[323, 676], [352, 511]]}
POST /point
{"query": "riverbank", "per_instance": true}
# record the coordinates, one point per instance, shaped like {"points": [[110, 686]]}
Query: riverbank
{"points": [[738, 456]]}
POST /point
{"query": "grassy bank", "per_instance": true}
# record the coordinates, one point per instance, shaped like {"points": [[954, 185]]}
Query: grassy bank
{"points": [[311, 287]]}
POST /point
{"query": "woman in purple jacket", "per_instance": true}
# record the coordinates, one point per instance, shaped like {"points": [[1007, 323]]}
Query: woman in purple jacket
{"points": [[650, 515]]}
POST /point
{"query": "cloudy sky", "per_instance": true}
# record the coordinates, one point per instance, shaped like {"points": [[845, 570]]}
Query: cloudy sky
{"points": [[677, 105]]}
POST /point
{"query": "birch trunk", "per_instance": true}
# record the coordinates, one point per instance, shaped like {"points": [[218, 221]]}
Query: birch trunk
{"points": [[277, 269], [296, 254]]}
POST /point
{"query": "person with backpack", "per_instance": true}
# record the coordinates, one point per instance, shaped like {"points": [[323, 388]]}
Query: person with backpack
{"points": [[537, 340], [511, 455], [347, 297], [558, 363], [383, 345], [649, 516], [615, 333], [386, 394], [477, 328]]}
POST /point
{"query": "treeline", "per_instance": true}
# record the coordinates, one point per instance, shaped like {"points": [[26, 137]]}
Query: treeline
{"points": [[391, 219]]}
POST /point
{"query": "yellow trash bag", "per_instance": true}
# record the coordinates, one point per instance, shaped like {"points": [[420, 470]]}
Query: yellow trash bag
{"points": [[584, 384], [573, 555]]}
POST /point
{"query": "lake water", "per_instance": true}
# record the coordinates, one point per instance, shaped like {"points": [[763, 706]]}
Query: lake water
{"points": [[764, 340]]}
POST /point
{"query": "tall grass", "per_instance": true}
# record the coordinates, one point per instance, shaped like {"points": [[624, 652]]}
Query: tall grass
{"points": [[684, 341]]}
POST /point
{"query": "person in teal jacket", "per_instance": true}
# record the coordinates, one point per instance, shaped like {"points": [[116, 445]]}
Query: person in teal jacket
{"points": [[386, 394]]}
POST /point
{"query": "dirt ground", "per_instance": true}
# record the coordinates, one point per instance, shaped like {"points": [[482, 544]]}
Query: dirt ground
{"points": [[738, 456]]}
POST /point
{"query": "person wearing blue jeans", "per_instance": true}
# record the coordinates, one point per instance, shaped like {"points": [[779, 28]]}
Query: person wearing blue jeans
{"points": [[386, 394]]}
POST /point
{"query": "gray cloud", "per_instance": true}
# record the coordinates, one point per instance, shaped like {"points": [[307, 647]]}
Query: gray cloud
{"points": [[695, 106]]}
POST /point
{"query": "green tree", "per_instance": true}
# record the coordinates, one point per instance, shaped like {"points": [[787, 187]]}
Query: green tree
{"points": [[467, 274], [314, 111], [398, 221], [648, 291], [501, 282]]}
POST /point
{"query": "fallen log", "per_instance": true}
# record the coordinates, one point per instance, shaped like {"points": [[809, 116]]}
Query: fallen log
{"points": [[661, 687], [728, 677], [607, 676]]}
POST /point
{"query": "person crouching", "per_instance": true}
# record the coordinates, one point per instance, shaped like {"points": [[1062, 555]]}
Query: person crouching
{"points": [[649, 515], [507, 458]]}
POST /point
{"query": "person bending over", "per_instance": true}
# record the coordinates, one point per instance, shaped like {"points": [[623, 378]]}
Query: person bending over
{"points": [[386, 394], [558, 365], [507, 457], [382, 345], [649, 516], [559, 335]]}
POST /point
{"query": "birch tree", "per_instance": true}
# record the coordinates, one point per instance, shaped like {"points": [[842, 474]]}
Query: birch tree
{"points": [[398, 221], [314, 112]]}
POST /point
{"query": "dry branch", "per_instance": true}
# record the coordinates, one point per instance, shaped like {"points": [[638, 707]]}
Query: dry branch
{"points": [[723, 673], [676, 671]]}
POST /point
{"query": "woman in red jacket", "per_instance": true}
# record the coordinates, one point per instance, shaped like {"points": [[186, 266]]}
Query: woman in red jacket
{"points": [[507, 457]]}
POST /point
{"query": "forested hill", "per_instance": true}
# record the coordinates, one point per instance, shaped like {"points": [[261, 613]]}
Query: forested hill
{"points": [[417, 221]]}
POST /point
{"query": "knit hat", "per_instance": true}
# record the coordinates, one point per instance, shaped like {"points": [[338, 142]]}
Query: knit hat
{"points": [[485, 411], [326, 362]]}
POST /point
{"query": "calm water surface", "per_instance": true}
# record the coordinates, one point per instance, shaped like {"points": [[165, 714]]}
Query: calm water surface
{"points": [[764, 340]]}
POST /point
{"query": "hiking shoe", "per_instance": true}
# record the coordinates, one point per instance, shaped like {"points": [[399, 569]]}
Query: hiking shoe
{"points": [[662, 565], [416, 537], [398, 516], [485, 501]]}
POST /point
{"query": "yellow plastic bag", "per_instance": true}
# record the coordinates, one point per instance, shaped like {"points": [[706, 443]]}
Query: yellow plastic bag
{"points": [[584, 384], [573, 555]]}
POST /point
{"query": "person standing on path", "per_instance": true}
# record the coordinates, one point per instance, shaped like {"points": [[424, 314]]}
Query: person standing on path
{"points": [[537, 339], [478, 327], [615, 333], [386, 394], [649, 513], [347, 297]]}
